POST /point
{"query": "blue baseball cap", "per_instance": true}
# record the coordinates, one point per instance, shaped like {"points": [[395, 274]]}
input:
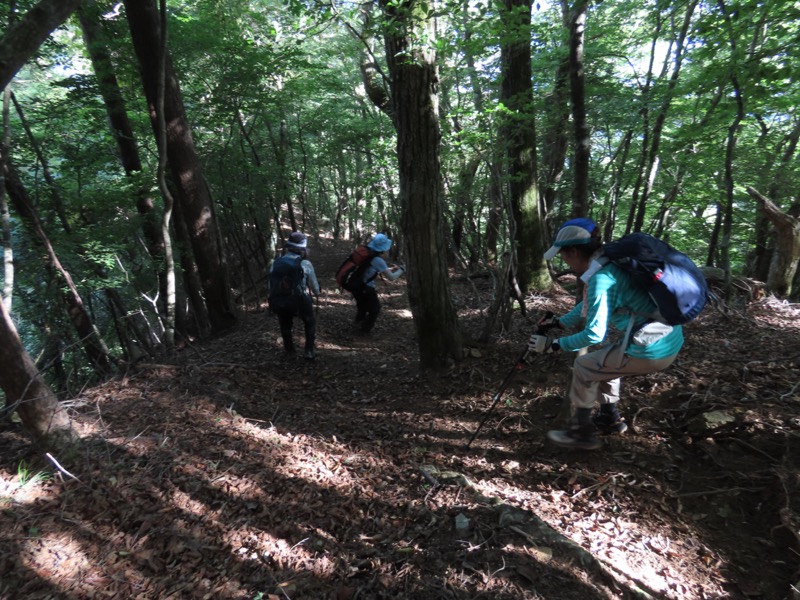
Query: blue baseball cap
{"points": [[575, 232]]}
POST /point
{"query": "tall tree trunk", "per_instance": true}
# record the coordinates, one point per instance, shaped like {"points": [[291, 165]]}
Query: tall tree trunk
{"points": [[730, 149], [464, 204], [414, 83], [712, 257], [497, 206], [519, 136], [342, 191], [555, 142], [582, 139], [308, 216], [280, 146], [166, 193], [6, 296], [26, 391], [95, 39], [191, 189], [757, 266], [192, 283], [461, 200], [264, 236]]}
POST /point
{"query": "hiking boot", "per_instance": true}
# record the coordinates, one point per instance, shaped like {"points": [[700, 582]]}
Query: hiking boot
{"points": [[310, 354], [579, 438], [609, 425]]}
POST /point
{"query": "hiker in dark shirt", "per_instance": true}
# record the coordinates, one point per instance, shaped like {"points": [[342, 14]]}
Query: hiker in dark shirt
{"points": [[610, 297], [295, 301], [367, 304]]}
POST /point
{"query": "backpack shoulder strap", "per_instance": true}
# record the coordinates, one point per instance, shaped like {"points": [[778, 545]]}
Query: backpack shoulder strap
{"points": [[368, 263]]}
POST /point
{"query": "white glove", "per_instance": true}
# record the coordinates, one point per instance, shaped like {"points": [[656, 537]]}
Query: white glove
{"points": [[541, 344]]}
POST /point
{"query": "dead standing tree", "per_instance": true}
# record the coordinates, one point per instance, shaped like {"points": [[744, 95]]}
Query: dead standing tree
{"points": [[786, 256]]}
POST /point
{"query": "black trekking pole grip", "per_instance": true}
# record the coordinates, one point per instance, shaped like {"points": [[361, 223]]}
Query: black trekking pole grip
{"points": [[548, 315]]}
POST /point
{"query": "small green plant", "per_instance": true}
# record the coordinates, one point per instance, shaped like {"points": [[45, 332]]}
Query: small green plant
{"points": [[26, 476]]}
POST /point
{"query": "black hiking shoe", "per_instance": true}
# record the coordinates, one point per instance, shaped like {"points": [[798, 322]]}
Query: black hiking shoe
{"points": [[609, 425], [310, 354], [576, 437]]}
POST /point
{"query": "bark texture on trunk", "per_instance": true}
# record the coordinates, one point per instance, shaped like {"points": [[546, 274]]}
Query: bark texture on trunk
{"points": [[191, 190], [414, 88]]}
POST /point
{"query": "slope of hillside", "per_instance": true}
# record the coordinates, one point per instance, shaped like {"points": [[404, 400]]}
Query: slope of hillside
{"points": [[232, 472]]}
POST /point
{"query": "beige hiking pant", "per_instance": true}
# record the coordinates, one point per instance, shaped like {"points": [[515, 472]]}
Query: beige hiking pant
{"points": [[596, 376]]}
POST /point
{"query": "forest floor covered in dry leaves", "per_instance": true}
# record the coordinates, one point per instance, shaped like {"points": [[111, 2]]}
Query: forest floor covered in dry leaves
{"points": [[230, 472]]}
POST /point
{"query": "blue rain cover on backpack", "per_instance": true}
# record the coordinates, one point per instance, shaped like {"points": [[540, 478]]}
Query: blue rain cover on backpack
{"points": [[286, 282], [673, 281]]}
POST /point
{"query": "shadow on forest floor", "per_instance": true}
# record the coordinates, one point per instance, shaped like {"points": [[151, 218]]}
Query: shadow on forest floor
{"points": [[232, 472]]}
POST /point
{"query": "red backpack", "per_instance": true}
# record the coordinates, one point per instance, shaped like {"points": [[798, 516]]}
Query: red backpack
{"points": [[350, 274]]}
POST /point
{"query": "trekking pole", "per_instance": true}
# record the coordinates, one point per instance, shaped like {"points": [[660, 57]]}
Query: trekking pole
{"points": [[518, 366]]}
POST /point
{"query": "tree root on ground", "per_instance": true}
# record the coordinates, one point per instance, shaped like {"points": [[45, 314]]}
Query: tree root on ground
{"points": [[538, 533]]}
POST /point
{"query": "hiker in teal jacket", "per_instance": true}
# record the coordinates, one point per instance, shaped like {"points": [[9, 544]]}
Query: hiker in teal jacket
{"points": [[610, 298]]}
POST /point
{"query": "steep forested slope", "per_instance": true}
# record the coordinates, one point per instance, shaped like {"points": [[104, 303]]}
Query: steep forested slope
{"points": [[231, 472]]}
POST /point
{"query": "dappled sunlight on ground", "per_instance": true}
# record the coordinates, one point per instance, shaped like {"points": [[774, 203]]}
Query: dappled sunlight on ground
{"points": [[234, 472]]}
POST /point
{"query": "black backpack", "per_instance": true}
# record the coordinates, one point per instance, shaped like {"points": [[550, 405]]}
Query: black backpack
{"points": [[674, 282], [350, 274], [286, 282]]}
